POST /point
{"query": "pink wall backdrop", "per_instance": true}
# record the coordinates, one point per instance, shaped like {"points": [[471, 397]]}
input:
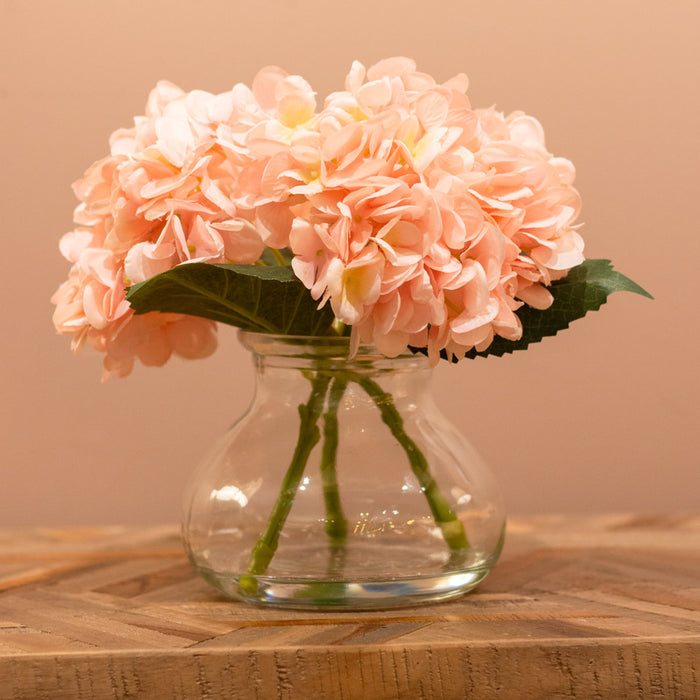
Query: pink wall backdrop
{"points": [[602, 418]]}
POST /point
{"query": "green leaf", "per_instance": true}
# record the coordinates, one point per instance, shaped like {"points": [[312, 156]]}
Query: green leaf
{"points": [[585, 288], [271, 299], [252, 297]]}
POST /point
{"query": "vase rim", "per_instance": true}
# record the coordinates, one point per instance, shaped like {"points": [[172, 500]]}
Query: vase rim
{"points": [[319, 347]]}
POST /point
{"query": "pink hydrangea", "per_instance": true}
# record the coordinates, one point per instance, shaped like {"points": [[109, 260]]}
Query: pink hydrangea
{"points": [[182, 185], [434, 222], [421, 221]]}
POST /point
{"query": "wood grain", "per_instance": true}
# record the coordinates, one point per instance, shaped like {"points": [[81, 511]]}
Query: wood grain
{"points": [[604, 607]]}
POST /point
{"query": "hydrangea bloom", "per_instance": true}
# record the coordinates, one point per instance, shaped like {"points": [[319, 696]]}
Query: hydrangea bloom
{"points": [[422, 221], [433, 222], [182, 185]]}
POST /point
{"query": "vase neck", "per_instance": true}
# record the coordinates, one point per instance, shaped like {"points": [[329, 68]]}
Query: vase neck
{"points": [[327, 354]]}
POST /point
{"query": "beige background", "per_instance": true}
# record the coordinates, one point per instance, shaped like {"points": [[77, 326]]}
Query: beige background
{"points": [[604, 417]]}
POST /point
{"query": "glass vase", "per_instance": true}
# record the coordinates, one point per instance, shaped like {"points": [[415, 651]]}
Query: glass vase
{"points": [[342, 485]]}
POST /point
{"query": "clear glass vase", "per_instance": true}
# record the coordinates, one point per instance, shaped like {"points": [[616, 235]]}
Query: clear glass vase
{"points": [[342, 485]]}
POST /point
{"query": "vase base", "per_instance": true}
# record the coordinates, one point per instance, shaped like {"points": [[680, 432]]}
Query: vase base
{"points": [[349, 595]]}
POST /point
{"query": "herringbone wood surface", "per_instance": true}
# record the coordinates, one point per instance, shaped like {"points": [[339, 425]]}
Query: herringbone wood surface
{"points": [[604, 607]]}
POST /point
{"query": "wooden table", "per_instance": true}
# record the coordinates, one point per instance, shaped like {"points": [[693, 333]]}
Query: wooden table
{"points": [[604, 607]]}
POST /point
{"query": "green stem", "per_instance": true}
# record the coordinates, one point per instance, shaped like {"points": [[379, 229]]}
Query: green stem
{"points": [[309, 435], [279, 258], [445, 518], [336, 524]]}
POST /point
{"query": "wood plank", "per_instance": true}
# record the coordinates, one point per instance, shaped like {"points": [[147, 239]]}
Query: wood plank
{"points": [[578, 607]]}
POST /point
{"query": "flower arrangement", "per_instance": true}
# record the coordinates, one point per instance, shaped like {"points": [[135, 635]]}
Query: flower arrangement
{"points": [[394, 213], [421, 221]]}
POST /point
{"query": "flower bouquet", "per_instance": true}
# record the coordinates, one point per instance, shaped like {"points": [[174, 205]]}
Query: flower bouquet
{"points": [[355, 244]]}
